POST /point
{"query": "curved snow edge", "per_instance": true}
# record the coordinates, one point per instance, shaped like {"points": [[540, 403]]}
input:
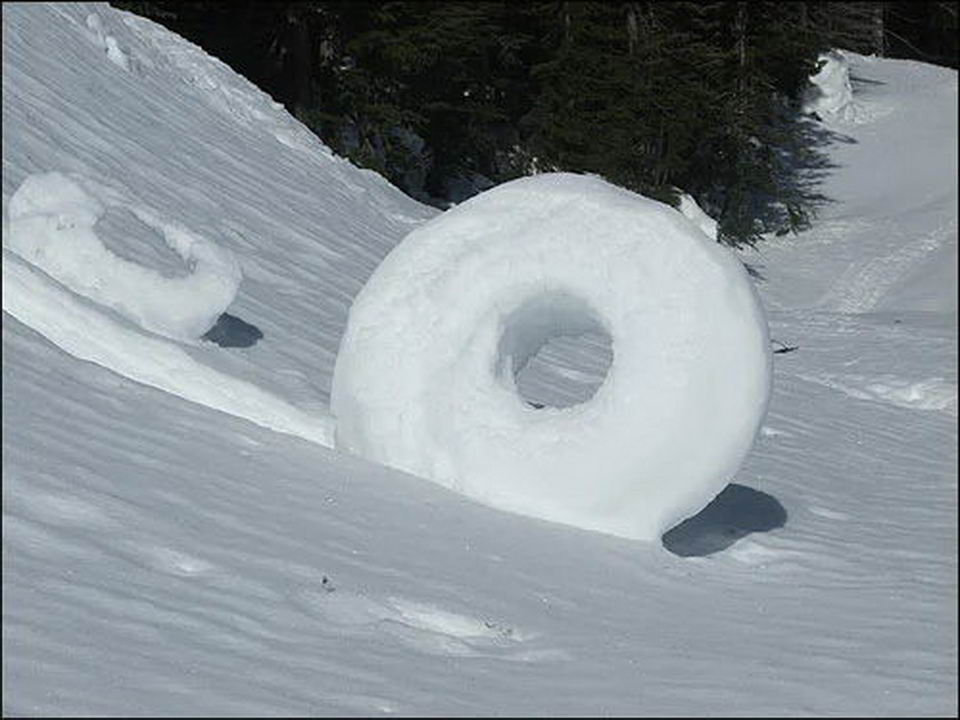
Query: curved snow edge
{"points": [[84, 332]]}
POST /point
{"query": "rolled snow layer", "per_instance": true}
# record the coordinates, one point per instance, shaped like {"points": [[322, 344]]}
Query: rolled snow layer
{"points": [[52, 219], [425, 375]]}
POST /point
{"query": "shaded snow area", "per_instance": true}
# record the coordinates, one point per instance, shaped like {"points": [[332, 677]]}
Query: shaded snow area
{"points": [[181, 538]]}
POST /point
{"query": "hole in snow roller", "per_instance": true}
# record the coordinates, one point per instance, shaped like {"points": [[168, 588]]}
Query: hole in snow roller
{"points": [[439, 338], [554, 350]]}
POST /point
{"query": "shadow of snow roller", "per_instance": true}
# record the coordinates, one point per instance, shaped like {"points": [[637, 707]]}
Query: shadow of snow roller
{"points": [[230, 331], [425, 375], [736, 512]]}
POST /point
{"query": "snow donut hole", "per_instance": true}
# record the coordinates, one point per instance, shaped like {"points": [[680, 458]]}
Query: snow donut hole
{"points": [[555, 351], [129, 238]]}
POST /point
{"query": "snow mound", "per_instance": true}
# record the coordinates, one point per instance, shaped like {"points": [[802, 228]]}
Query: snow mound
{"points": [[51, 225], [425, 378]]}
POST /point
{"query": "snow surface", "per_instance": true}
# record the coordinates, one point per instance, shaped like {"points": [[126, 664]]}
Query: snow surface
{"points": [[425, 379], [166, 552]]}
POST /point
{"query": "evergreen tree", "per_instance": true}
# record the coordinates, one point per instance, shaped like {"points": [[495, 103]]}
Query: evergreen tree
{"points": [[651, 95]]}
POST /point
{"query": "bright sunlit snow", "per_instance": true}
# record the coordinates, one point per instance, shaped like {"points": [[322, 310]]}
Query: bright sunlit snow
{"points": [[180, 539], [425, 379]]}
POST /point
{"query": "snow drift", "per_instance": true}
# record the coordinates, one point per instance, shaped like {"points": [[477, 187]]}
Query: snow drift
{"points": [[425, 376]]}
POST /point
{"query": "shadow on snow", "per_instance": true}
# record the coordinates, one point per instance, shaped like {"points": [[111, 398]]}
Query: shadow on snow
{"points": [[735, 513], [231, 331]]}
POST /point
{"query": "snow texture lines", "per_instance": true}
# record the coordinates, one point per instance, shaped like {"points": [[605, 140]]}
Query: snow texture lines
{"points": [[242, 102], [865, 282], [424, 627]]}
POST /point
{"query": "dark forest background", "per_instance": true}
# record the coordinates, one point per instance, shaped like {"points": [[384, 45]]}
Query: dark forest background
{"points": [[448, 98]]}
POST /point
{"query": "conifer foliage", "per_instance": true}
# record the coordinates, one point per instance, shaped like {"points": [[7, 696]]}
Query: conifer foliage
{"points": [[448, 97]]}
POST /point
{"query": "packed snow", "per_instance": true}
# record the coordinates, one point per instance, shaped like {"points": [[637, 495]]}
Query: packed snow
{"points": [[425, 379], [51, 225], [179, 540]]}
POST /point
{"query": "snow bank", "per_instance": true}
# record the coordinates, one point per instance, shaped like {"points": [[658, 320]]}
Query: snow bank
{"points": [[51, 225], [425, 375]]}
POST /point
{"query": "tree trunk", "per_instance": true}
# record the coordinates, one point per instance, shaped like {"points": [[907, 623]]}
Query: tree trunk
{"points": [[302, 68], [879, 36], [740, 33], [631, 28]]}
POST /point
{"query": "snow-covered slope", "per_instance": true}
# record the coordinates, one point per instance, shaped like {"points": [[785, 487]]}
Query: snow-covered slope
{"points": [[165, 555], [888, 238], [177, 132]]}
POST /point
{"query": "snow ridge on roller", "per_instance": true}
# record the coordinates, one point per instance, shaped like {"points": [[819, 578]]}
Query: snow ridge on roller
{"points": [[425, 375]]}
